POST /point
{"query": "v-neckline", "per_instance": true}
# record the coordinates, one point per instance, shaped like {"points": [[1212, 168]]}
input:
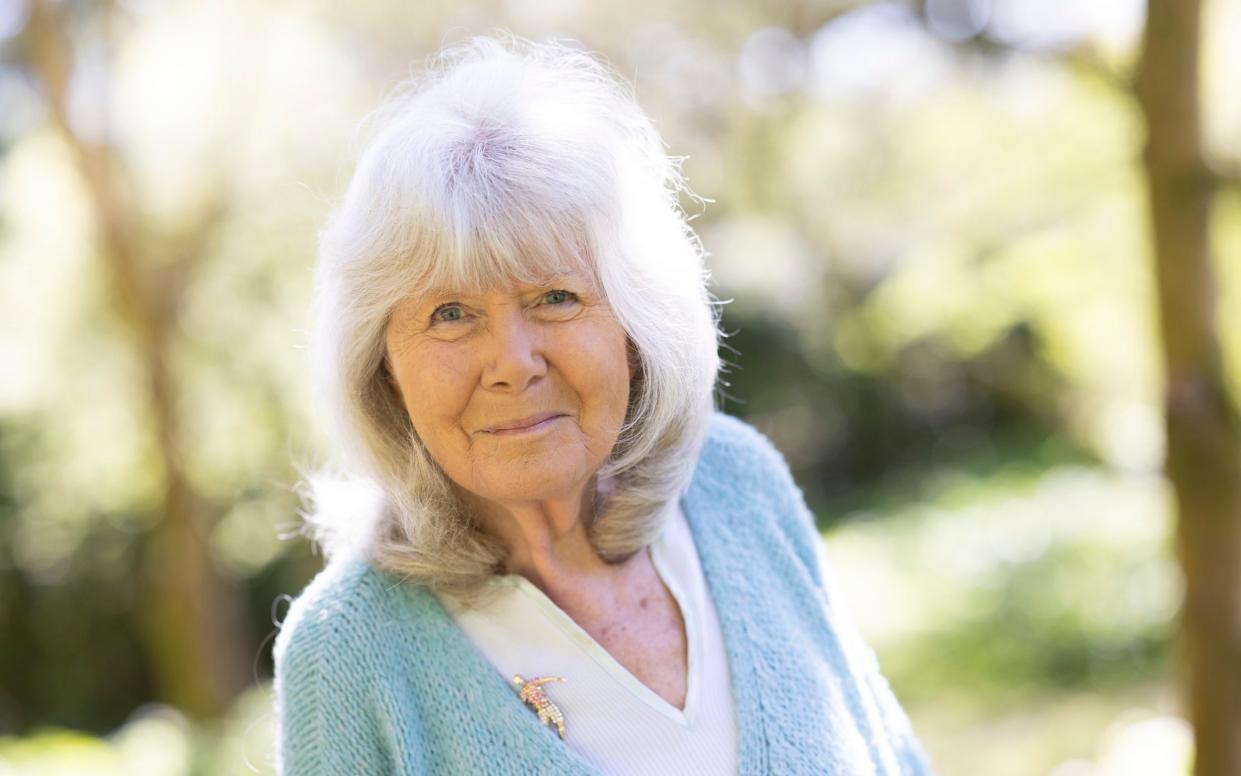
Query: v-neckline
{"points": [[726, 585], [581, 637]]}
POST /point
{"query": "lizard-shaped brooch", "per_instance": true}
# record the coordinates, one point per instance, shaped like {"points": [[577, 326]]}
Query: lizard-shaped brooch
{"points": [[532, 694]]}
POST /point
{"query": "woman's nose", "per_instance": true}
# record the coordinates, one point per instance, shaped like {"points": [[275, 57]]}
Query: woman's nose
{"points": [[514, 359]]}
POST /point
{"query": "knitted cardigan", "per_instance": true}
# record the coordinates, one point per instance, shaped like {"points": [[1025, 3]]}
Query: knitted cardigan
{"points": [[372, 676]]}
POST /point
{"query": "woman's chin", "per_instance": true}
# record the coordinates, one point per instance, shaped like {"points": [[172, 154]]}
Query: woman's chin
{"points": [[533, 484]]}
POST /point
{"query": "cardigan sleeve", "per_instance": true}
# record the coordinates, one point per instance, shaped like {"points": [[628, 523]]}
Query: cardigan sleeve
{"points": [[324, 727], [905, 744], [800, 524]]}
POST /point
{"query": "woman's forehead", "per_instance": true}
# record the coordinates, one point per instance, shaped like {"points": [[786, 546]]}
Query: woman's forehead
{"points": [[501, 283]]}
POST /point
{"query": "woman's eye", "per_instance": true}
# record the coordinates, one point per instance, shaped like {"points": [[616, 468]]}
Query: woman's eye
{"points": [[558, 297], [447, 313]]}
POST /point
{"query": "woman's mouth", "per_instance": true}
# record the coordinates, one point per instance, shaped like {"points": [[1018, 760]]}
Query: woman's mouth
{"points": [[525, 425]]}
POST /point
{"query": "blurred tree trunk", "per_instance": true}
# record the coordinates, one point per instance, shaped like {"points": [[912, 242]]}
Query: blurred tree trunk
{"points": [[192, 619], [1203, 460]]}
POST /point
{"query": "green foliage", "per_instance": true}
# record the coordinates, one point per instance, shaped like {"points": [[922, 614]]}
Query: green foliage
{"points": [[154, 741], [1002, 591]]}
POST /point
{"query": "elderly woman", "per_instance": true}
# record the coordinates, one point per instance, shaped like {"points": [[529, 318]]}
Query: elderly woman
{"points": [[553, 555]]}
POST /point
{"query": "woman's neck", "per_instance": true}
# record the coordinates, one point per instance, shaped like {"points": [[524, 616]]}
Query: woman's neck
{"points": [[547, 541]]}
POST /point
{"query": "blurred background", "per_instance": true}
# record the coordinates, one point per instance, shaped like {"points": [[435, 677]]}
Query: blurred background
{"points": [[931, 218]]}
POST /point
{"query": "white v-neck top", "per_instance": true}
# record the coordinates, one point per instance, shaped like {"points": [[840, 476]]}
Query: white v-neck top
{"points": [[614, 721]]}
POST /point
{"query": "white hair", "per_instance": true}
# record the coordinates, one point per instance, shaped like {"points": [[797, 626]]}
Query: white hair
{"points": [[506, 160]]}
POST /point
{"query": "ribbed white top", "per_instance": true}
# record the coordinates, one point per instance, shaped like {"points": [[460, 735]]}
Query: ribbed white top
{"points": [[613, 720]]}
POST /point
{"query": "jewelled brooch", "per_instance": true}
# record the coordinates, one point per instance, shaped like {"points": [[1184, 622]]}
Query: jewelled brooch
{"points": [[533, 695]]}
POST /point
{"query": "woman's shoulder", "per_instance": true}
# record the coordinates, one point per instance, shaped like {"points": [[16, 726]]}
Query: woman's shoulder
{"points": [[342, 609], [740, 472], [334, 657], [733, 448], [730, 431]]}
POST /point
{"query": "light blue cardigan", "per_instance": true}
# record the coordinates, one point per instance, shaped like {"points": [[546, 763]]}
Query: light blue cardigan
{"points": [[374, 677]]}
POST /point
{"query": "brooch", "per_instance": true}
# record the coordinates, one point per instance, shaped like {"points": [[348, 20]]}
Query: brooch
{"points": [[532, 694]]}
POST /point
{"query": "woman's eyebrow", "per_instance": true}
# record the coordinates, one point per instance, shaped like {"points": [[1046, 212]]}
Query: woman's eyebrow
{"points": [[436, 295], [442, 294], [568, 278]]}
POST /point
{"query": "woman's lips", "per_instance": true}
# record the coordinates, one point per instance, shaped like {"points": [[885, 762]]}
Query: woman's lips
{"points": [[524, 425]]}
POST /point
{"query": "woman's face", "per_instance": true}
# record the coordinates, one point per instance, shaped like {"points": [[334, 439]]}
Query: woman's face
{"points": [[518, 394]]}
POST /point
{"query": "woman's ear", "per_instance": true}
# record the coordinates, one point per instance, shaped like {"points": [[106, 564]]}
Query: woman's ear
{"points": [[631, 355]]}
